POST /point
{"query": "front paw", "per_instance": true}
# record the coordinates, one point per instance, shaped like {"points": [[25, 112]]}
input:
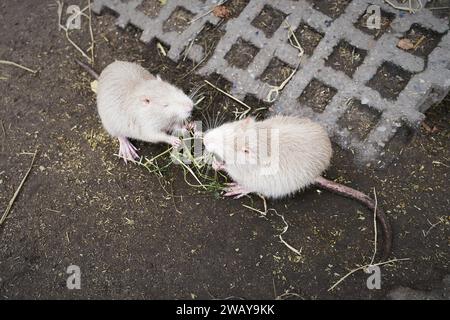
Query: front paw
{"points": [[175, 142], [191, 126]]}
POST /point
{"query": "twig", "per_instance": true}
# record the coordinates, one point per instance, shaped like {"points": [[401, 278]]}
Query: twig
{"points": [[364, 267], [18, 66], [277, 89], [232, 97], [13, 199], [161, 49], [410, 9], [91, 32], [207, 12], [375, 231], [419, 42], [297, 45], [432, 226], [285, 229], [374, 249], [66, 30], [262, 213]]}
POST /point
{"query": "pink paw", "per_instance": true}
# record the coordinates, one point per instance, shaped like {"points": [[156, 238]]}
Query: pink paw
{"points": [[175, 142], [235, 190], [191, 126], [126, 150]]}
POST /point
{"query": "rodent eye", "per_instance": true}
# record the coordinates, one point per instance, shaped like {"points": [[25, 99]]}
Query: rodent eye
{"points": [[165, 105]]}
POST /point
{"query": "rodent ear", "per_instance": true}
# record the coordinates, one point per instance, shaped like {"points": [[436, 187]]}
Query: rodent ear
{"points": [[158, 77]]}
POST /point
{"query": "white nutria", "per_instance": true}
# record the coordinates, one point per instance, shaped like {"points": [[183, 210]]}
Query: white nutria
{"points": [[132, 103], [277, 157]]}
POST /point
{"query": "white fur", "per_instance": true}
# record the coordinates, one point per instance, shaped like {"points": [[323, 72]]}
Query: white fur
{"points": [[304, 152], [122, 90]]}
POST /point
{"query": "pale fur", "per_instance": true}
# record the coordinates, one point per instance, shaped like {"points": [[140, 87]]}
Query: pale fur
{"points": [[120, 92], [304, 153]]}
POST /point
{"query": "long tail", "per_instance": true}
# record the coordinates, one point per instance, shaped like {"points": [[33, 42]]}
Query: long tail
{"points": [[368, 202], [88, 69]]}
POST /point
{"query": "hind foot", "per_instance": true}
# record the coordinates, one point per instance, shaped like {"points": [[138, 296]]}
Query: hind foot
{"points": [[126, 150], [235, 190]]}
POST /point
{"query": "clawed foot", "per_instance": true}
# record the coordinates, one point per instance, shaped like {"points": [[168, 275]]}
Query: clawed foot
{"points": [[175, 142], [126, 150], [218, 165], [235, 190], [192, 126]]}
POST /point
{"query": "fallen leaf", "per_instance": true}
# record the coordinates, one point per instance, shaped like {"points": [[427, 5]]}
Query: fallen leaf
{"points": [[94, 86], [221, 12], [405, 44]]}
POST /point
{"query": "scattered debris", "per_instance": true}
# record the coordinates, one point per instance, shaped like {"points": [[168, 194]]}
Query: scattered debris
{"points": [[161, 49], [371, 264], [66, 30], [13, 199], [434, 225], [94, 85], [239, 115], [409, 8]]}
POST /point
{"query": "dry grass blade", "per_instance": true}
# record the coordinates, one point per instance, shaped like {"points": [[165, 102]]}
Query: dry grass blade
{"points": [[13, 199], [374, 250], [364, 267], [18, 66], [66, 29], [409, 8], [232, 97]]}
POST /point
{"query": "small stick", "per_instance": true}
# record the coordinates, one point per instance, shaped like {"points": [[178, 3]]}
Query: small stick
{"points": [[432, 226], [297, 44], [364, 267], [161, 49], [277, 89], [229, 96], [91, 33], [285, 229], [418, 43], [67, 31], [375, 231], [208, 12], [13, 199], [18, 66], [410, 9]]}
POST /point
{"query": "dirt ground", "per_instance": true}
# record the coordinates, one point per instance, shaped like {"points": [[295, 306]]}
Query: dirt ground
{"points": [[137, 235]]}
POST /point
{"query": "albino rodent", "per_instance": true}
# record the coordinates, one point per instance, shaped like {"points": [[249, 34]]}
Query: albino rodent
{"points": [[132, 103], [277, 157]]}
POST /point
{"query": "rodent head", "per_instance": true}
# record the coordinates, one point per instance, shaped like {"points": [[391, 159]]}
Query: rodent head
{"points": [[162, 97], [233, 141]]}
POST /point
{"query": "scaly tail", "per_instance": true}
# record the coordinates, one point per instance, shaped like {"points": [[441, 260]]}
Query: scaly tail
{"points": [[368, 202], [88, 69]]}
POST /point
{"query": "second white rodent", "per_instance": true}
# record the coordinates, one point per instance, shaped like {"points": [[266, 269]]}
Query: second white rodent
{"points": [[132, 103], [279, 156]]}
